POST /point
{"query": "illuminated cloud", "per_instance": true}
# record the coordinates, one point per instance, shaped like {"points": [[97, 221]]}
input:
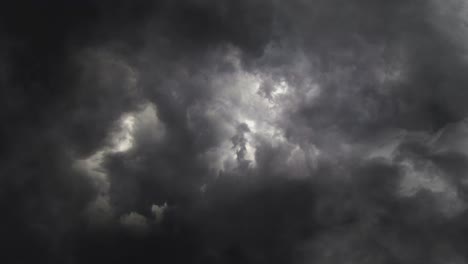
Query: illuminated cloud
{"points": [[222, 131]]}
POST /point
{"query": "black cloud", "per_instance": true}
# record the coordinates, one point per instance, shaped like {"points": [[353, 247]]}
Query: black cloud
{"points": [[202, 131]]}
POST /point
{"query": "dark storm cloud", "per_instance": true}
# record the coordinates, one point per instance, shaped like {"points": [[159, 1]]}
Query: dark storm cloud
{"points": [[258, 131]]}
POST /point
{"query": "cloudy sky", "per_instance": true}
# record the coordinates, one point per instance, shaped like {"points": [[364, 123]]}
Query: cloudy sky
{"points": [[234, 131]]}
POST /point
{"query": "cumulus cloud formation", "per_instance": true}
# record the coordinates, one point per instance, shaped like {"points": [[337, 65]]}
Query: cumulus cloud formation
{"points": [[260, 131]]}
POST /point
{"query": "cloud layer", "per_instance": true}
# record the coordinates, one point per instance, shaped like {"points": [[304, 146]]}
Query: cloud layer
{"points": [[202, 131]]}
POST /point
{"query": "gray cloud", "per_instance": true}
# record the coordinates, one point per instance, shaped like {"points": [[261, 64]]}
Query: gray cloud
{"points": [[233, 131]]}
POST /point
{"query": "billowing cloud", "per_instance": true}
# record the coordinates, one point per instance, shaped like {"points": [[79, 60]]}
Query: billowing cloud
{"points": [[264, 131]]}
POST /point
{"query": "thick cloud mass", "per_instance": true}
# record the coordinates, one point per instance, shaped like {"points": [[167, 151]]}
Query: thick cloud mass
{"points": [[219, 131]]}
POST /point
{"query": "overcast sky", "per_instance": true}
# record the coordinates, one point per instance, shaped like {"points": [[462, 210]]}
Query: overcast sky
{"points": [[243, 131]]}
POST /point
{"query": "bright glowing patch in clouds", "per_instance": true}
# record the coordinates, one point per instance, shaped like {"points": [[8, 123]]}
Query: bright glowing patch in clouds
{"points": [[281, 87], [122, 140], [242, 102], [250, 153]]}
